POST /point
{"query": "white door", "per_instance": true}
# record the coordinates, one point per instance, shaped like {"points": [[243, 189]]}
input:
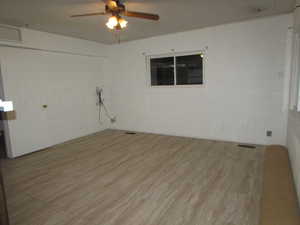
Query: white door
{"points": [[54, 97], [26, 86]]}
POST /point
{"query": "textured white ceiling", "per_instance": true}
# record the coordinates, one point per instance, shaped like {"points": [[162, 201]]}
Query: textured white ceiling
{"points": [[176, 16]]}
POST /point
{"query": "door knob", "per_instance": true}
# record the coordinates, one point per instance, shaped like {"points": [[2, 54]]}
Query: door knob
{"points": [[45, 106]]}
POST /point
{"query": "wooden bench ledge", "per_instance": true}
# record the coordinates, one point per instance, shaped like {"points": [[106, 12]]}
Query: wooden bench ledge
{"points": [[279, 198]]}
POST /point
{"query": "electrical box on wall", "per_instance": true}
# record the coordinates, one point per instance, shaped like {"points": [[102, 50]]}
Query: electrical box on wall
{"points": [[10, 34]]}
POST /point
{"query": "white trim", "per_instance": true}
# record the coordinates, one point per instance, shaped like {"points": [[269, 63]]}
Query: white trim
{"points": [[47, 50], [180, 53], [175, 71], [6, 129], [294, 73], [179, 86]]}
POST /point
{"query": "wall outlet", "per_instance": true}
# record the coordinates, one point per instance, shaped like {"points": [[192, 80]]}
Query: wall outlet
{"points": [[113, 119], [269, 133]]}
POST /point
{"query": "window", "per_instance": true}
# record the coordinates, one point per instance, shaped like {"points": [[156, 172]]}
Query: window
{"points": [[162, 71], [189, 69], [177, 70]]}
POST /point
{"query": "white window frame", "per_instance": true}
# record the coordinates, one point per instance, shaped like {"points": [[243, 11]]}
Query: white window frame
{"points": [[297, 73], [175, 54]]}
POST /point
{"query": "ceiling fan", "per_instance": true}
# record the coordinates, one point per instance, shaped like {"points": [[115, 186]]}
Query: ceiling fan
{"points": [[116, 9]]}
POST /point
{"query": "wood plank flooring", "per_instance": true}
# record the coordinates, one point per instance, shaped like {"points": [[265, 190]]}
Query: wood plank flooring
{"points": [[112, 178]]}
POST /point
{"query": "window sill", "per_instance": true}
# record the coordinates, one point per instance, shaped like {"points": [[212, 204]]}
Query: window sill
{"points": [[179, 86]]}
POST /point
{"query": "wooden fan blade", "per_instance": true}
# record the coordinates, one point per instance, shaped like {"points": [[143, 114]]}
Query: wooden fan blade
{"points": [[141, 15], [89, 14]]}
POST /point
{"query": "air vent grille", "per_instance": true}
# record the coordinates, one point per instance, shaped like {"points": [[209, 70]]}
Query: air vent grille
{"points": [[130, 133], [246, 146], [10, 34]]}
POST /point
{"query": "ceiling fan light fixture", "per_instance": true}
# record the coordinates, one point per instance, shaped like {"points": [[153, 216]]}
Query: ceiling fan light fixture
{"points": [[116, 8], [115, 22], [110, 26], [112, 22], [123, 23]]}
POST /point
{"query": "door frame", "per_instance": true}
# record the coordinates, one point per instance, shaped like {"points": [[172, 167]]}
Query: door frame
{"points": [[5, 121], [4, 220]]}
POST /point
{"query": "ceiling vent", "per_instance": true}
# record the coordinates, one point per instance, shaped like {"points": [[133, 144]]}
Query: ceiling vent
{"points": [[11, 34]]}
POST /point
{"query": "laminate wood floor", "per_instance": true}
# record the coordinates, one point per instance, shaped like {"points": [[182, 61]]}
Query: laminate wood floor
{"points": [[112, 178]]}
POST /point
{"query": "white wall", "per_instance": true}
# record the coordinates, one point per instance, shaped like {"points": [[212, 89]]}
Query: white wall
{"points": [[244, 94], [49, 41], [293, 137], [66, 82]]}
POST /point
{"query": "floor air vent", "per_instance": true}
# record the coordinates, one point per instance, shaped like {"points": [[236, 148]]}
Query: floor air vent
{"points": [[246, 146], [131, 133]]}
